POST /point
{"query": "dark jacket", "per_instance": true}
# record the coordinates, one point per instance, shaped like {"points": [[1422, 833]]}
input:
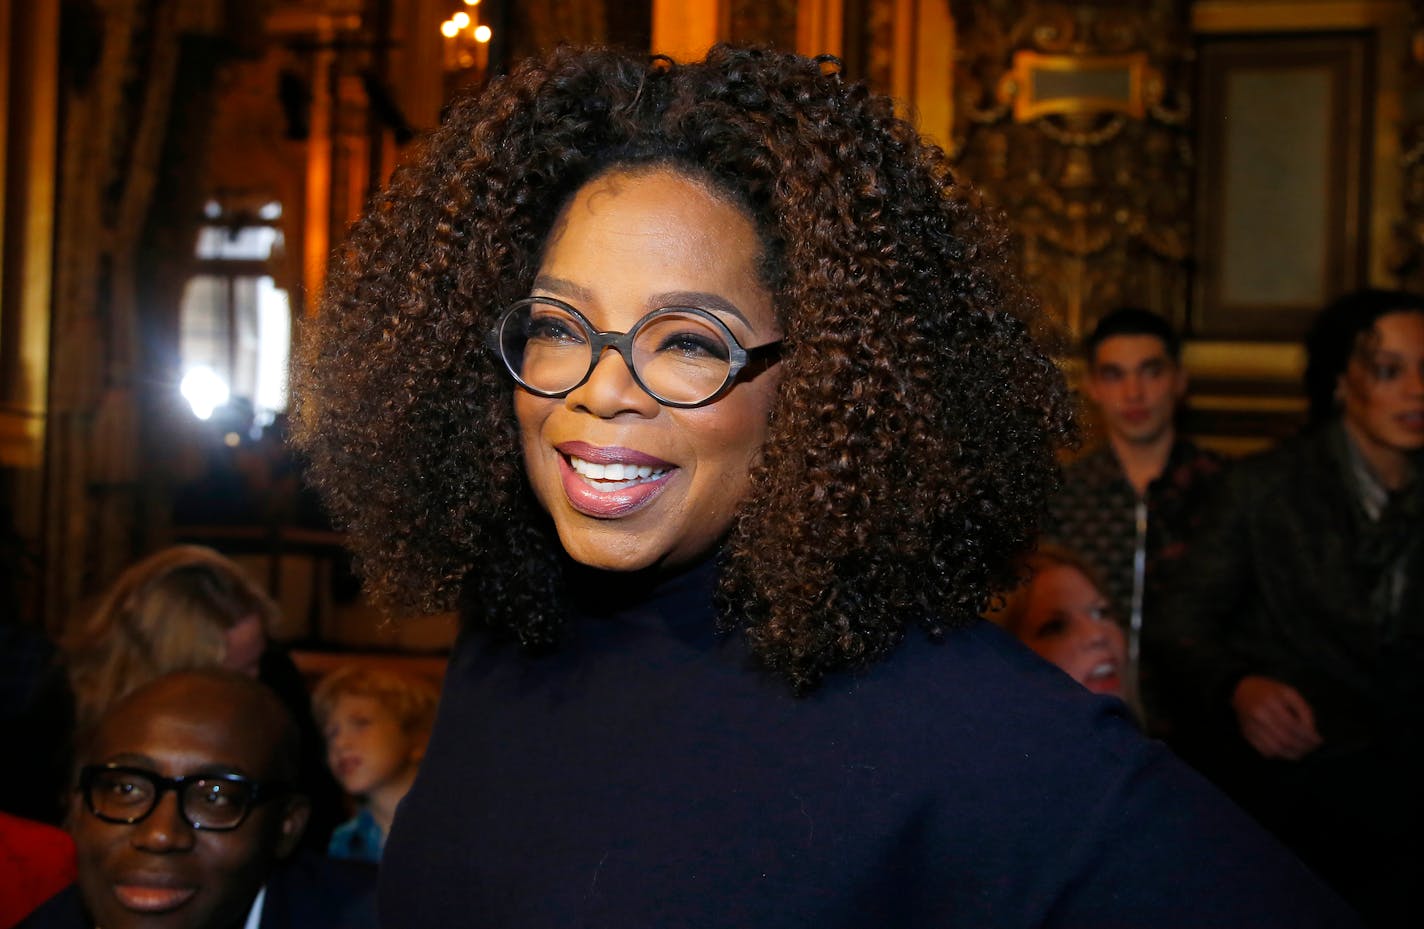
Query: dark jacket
{"points": [[1291, 578], [1288, 579]]}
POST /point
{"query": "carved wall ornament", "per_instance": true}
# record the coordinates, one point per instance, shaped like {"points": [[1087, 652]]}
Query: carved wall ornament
{"points": [[1074, 121], [1405, 255]]}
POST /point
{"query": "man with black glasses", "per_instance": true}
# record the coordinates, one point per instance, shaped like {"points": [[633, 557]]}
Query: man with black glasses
{"points": [[184, 817]]}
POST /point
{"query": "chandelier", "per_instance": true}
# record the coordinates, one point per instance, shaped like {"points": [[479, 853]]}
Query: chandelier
{"points": [[466, 39]]}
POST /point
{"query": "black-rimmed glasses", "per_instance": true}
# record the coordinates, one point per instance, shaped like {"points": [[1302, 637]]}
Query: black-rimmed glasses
{"points": [[213, 802], [681, 356]]}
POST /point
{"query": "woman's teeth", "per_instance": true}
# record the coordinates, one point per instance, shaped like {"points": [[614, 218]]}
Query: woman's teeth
{"points": [[616, 473], [1105, 669]]}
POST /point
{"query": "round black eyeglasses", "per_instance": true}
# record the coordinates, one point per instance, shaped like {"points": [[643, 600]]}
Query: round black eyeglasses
{"points": [[681, 356], [211, 802]]}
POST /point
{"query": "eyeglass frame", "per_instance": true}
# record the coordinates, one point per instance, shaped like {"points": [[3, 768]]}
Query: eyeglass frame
{"points": [[261, 791], [739, 357]]}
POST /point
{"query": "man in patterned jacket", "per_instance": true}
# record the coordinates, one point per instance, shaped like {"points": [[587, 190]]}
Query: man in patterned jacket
{"points": [[1128, 506]]}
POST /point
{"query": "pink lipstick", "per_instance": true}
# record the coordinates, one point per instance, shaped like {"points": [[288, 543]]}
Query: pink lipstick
{"points": [[610, 482]]}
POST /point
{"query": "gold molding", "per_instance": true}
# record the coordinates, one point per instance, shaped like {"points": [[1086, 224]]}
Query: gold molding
{"points": [[27, 210], [1246, 403], [1292, 15], [1256, 361]]}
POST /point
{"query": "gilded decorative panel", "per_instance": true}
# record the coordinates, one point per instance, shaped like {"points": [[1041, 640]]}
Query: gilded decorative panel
{"points": [[1406, 248], [1073, 119]]}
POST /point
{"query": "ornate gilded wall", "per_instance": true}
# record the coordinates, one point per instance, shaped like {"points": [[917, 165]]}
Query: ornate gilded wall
{"points": [[1100, 192], [1406, 246], [1100, 196]]}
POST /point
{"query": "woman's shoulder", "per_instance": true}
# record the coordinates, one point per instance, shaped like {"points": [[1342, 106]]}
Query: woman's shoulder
{"points": [[980, 687], [979, 671], [1032, 767]]}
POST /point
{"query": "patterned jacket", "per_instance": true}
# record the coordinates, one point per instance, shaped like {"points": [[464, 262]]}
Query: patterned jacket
{"points": [[1130, 541]]}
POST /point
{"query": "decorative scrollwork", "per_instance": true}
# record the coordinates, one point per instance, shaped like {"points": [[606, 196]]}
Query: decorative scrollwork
{"points": [[1405, 256], [1098, 190]]}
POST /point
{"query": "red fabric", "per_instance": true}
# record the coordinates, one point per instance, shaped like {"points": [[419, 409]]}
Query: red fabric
{"points": [[36, 862]]}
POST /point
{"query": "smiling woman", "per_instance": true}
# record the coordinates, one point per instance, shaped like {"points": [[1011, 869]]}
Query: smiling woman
{"points": [[627, 242], [706, 395]]}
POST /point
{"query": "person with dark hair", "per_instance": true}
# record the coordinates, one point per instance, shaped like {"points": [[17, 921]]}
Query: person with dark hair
{"points": [[699, 389], [1128, 507], [1295, 635], [186, 814]]}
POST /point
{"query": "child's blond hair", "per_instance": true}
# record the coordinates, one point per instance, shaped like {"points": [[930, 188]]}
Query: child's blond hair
{"points": [[408, 695]]}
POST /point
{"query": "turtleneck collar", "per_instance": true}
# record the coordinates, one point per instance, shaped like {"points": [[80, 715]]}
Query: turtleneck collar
{"points": [[680, 602]]}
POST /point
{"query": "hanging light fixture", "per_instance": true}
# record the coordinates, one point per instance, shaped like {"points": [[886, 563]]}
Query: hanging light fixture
{"points": [[466, 39]]}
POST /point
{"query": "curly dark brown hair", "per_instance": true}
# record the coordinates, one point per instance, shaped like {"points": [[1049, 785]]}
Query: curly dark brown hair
{"points": [[911, 445]]}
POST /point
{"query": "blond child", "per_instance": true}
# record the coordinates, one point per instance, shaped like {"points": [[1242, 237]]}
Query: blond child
{"points": [[376, 722]]}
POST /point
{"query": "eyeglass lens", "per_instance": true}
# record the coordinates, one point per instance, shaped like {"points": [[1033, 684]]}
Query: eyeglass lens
{"points": [[678, 356], [206, 803]]}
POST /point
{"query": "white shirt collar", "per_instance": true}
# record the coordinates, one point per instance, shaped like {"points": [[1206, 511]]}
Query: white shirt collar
{"points": [[254, 915]]}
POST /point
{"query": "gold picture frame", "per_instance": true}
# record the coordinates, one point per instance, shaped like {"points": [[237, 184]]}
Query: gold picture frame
{"points": [[1046, 85]]}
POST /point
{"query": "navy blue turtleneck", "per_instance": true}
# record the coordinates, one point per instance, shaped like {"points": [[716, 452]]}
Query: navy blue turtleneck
{"points": [[646, 775]]}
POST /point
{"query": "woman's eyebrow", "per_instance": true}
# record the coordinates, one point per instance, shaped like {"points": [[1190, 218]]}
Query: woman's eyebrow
{"points": [[693, 298], [700, 300], [563, 287]]}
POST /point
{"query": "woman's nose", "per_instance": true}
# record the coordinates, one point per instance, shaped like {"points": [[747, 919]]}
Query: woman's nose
{"points": [[612, 390], [1414, 380]]}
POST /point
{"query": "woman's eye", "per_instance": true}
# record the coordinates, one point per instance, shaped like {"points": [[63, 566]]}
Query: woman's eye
{"points": [[1054, 627], [552, 329], [694, 345], [1385, 372]]}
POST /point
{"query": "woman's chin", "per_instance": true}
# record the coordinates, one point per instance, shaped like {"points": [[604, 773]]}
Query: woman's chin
{"points": [[610, 547], [1109, 684], [638, 543]]}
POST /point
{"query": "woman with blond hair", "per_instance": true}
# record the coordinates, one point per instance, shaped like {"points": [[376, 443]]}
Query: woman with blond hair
{"points": [[182, 608]]}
